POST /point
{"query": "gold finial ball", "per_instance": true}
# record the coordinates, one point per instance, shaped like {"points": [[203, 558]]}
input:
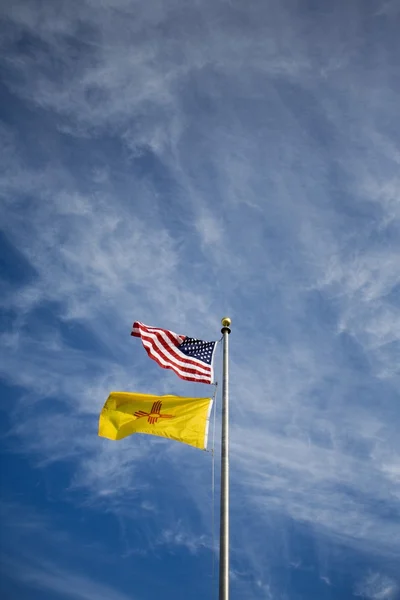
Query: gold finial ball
{"points": [[226, 322]]}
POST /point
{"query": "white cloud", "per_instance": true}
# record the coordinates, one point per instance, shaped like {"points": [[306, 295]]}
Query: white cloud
{"points": [[178, 536], [64, 583], [377, 586], [260, 221]]}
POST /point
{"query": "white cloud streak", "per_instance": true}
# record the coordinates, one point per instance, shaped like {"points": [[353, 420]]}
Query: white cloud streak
{"points": [[295, 236], [377, 586], [64, 583]]}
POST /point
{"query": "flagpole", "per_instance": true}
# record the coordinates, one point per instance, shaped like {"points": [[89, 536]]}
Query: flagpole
{"points": [[224, 515]]}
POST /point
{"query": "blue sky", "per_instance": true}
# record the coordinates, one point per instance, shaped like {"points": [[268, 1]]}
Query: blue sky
{"points": [[173, 162]]}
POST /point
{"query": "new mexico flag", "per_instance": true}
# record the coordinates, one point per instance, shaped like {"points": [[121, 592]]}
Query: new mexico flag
{"points": [[176, 417]]}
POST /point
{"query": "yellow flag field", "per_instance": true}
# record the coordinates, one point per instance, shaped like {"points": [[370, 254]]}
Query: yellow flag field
{"points": [[178, 418]]}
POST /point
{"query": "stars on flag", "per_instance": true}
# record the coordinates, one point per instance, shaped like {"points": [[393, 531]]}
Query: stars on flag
{"points": [[198, 349]]}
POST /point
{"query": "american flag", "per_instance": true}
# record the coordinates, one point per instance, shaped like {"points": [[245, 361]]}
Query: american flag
{"points": [[191, 359]]}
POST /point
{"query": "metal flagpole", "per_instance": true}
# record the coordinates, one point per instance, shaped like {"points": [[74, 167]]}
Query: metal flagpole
{"points": [[224, 522]]}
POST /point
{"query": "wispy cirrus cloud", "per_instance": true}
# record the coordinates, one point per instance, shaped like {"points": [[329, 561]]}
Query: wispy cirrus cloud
{"points": [[63, 583], [377, 587], [185, 163]]}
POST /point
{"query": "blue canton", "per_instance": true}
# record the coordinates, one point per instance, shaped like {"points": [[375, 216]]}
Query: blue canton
{"points": [[198, 349]]}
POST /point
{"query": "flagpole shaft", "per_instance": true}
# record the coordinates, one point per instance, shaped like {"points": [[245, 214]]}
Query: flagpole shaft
{"points": [[224, 515]]}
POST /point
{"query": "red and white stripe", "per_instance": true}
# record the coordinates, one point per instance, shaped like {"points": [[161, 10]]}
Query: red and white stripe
{"points": [[163, 347]]}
